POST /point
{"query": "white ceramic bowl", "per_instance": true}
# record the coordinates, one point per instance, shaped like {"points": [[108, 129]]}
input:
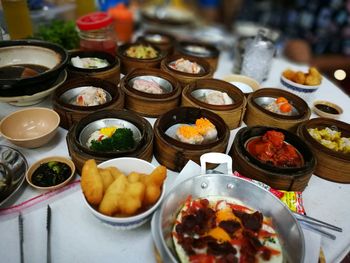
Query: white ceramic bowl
{"points": [[244, 83], [128, 165], [306, 92]]}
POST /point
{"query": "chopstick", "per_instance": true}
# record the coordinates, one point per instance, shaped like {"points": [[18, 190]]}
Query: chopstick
{"points": [[318, 230], [316, 225], [316, 222], [21, 237], [48, 228]]}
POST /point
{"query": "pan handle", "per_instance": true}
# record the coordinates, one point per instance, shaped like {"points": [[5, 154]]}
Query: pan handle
{"points": [[214, 157]]}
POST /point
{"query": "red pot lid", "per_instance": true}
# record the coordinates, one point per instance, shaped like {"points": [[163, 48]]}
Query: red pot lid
{"points": [[94, 21]]}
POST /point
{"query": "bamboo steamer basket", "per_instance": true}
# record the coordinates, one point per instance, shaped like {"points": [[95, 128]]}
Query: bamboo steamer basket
{"points": [[331, 165], [162, 40], [128, 63], [183, 77], [257, 115], [71, 114], [175, 154], [232, 114], [206, 51], [110, 73], [151, 105], [289, 179], [144, 150]]}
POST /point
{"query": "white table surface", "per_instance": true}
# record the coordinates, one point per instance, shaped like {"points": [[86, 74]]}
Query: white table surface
{"points": [[78, 237]]}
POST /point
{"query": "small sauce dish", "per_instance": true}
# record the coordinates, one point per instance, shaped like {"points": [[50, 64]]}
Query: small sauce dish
{"points": [[50, 173], [327, 109]]}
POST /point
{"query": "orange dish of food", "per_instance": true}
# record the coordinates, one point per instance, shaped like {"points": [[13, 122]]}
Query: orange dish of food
{"points": [[311, 78]]}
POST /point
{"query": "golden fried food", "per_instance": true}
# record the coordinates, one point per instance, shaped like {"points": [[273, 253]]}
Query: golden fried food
{"points": [[136, 189], [107, 178], [129, 205], [288, 73], [312, 78], [316, 75], [158, 175], [132, 199], [299, 77], [111, 200], [115, 172], [91, 182], [134, 177], [152, 194], [115, 194]]}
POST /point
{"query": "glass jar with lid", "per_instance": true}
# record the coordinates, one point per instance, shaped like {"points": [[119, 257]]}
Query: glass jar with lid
{"points": [[96, 32]]}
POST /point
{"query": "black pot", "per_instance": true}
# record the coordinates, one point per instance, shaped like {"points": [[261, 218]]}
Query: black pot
{"points": [[50, 55]]}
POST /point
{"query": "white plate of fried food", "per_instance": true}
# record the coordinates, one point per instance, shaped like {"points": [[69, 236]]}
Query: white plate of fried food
{"points": [[123, 192]]}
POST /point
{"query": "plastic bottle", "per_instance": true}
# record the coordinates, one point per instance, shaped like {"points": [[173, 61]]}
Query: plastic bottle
{"points": [[123, 22], [17, 18]]}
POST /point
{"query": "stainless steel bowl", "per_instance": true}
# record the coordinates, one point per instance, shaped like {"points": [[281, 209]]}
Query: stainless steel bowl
{"points": [[265, 101], [12, 171], [164, 84], [99, 124], [200, 94], [287, 227], [70, 95]]}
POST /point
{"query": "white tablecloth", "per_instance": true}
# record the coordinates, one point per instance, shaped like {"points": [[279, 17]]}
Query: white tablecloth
{"points": [[78, 237]]}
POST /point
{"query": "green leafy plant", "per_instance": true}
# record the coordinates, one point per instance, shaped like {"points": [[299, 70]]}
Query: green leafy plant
{"points": [[59, 32]]}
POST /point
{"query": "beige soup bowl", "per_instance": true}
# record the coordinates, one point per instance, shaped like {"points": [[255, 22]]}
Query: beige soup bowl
{"points": [[30, 128]]}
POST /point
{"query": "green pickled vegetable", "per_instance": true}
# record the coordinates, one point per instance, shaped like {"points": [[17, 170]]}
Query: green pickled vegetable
{"points": [[122, 139], [51, 173]]}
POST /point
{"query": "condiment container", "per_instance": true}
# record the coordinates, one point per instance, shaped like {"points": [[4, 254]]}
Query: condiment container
{"points": [[96, 32], [123, 22]]}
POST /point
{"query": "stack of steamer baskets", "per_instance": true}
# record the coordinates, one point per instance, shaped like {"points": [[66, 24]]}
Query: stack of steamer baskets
{"points": [[218, 96], [174, 149], [97, 124]]}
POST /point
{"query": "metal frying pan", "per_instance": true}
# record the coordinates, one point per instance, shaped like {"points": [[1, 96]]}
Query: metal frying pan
{"points": [[204, 185]]}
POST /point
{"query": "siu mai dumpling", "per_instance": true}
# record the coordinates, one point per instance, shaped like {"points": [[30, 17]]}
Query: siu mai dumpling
{"points": [[206, 129]]}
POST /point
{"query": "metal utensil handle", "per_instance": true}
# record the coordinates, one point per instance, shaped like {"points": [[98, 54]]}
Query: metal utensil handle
{"points": [[21, 236], [217, 158], [311, 227], [317, 222], [48, 229]]}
